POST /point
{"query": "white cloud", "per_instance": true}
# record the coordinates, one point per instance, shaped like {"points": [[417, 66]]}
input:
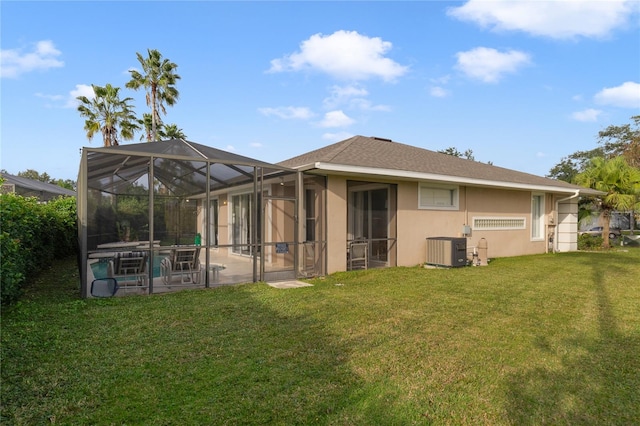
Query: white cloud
{"points": [[339, 95], [439, 81], [288, 113], [439, 92], [559, 19], [627, 95], [70, 100], [367, 105], [80, 90], [14, 62], [230, 148], [255, 145], [352, 96], [343, 54], [489, 65], [586, 115], [337, 137], [336, 119]]}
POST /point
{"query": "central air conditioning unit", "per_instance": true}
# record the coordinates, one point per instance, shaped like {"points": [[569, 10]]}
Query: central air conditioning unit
{"points": [[447, 251]]}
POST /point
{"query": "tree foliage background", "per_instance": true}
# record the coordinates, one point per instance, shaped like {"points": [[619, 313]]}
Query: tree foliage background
{"points": [[614, 141]]}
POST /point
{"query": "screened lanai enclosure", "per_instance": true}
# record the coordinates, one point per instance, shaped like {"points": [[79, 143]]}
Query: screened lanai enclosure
{"points": [[167, 215]]}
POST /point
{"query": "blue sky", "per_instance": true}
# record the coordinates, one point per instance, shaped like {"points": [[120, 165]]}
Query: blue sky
{"points": [[522, 84]]}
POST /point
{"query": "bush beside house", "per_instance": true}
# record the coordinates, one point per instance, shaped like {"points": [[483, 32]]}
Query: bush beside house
{"points": [[32, 236]]}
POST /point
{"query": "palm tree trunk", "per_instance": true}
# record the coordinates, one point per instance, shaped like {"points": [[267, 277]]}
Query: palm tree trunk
{"points": [[154, 113], [606, 220]]}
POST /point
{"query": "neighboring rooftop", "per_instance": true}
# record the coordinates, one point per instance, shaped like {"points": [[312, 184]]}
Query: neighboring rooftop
{"points": [[385, 157], [34, 188]]}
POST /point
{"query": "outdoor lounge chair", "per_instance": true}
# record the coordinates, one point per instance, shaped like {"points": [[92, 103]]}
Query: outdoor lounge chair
{"points": [[358, 255], [128, 267], [183, 262]]}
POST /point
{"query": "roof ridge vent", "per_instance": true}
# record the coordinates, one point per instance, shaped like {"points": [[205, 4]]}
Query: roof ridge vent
{"points": [[381, 139]]}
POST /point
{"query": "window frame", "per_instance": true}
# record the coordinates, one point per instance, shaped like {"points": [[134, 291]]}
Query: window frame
{"points": [[537, 217], [454, 191]]}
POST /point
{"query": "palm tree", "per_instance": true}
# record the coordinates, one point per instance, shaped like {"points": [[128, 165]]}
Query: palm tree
{"points": [[146, 123], [158, 77], [109, 114], [171, 131], [620, 183]]}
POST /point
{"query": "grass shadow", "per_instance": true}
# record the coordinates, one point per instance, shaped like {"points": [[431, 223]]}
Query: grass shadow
{"points": [[598, 376]]}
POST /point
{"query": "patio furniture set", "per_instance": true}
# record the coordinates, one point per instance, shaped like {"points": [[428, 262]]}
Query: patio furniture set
{"points": [[181, 265]]}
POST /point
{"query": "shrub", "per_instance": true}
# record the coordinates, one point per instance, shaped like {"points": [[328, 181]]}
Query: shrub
{"points": [[589, 242], [32, 236]]}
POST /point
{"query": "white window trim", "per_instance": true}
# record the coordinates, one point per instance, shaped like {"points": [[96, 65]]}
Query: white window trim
{"points": [[456, 196], [498, 223]]}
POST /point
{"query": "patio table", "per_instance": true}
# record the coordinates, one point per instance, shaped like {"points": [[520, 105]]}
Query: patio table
{"points": [[119, 244], [214, 271]]}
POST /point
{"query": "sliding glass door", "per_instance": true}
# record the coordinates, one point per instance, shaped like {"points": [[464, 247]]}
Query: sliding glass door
{"points": [[369, 219], [242, 223]]}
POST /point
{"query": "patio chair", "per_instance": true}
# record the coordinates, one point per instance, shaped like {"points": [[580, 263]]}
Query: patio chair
{"points": [[358, 255], [129, 267], [183, 262]]}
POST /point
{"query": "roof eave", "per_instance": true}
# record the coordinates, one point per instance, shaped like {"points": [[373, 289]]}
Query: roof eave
{"points": [[410, 175]]}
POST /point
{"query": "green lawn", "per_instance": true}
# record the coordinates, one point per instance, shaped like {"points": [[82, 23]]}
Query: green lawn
{"points": [[549, 339]]}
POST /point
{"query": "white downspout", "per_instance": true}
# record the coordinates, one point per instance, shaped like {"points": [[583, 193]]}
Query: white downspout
{"points": [[555, 231]]}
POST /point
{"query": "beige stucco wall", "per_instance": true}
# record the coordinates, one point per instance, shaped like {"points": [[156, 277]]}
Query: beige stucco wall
{"points": [[336, 224], [414, 225]]}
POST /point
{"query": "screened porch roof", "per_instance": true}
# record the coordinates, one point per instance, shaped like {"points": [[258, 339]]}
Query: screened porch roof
{"points": [[180, 165]]}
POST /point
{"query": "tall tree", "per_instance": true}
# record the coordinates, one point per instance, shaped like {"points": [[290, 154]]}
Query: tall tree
{"points": [[570, 166], [614, 141], [171, 131], [35, 175], [147, 123], [159, 78], [619, 181], [623, 140], [108, 114], [452, 150], [467, 154]]}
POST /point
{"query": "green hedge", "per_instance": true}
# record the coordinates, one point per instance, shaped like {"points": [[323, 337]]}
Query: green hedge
{"points": [[32, 236]]}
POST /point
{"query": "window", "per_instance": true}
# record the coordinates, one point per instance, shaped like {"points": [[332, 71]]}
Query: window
{"points": [[213, 224], [242, 206], [438, 197], [310, 214], [537, 217]]}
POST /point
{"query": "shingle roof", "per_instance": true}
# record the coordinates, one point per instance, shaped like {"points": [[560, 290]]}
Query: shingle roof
{"points": [[30, 187], [384, 154]]}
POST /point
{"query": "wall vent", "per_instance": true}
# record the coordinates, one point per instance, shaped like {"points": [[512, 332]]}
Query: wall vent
{"points": [[498, 223]]}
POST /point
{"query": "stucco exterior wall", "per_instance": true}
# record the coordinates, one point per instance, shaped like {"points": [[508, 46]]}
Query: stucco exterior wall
{"points": [[415, 225], [336, 224]]}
